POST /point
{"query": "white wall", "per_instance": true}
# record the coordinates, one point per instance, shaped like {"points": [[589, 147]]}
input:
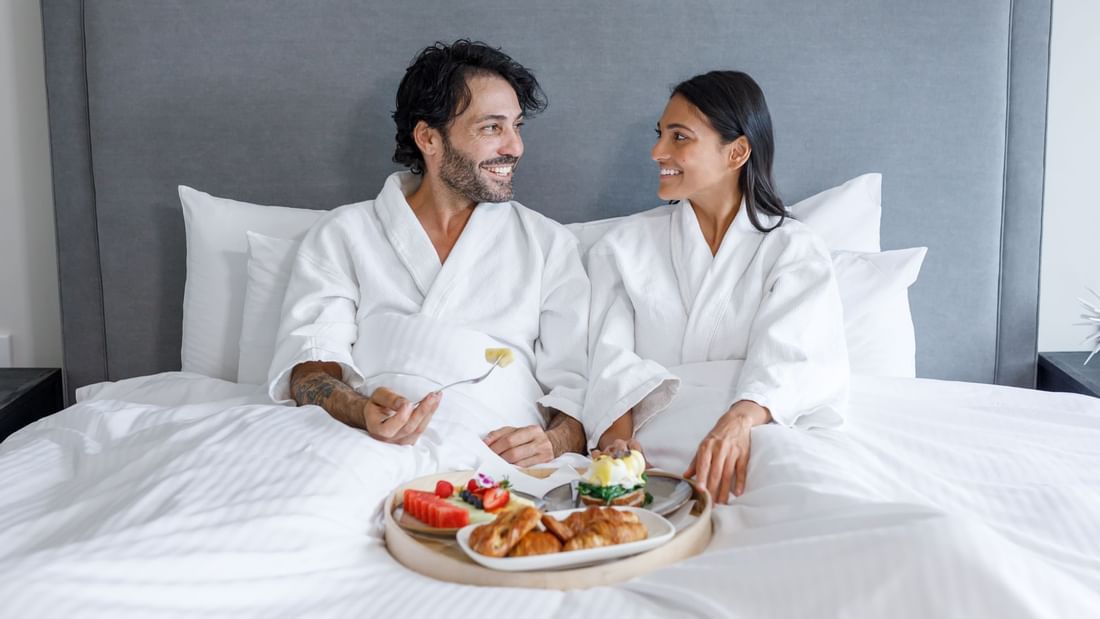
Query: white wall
{"points": [[28, 267], [1071, 216], [29, 307]]}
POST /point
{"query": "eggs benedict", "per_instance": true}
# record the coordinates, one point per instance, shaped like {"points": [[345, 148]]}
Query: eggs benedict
{"points": [[615, 481]]}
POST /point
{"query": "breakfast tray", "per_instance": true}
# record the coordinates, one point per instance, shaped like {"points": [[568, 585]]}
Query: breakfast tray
{"points": [[442, 559]]}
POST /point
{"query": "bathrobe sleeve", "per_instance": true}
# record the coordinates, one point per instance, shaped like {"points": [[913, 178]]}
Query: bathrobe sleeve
{"points": [[561, 355], [618, 378], [797, 360], [319, 310]]}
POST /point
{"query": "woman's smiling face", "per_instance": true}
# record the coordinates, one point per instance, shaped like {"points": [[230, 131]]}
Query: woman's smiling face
{"points": [[693, 160]]}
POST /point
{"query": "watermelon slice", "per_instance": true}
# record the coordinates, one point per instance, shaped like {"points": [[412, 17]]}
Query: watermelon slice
{"points": [[434, 511]]}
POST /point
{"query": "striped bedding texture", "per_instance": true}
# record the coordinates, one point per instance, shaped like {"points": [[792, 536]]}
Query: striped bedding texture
{"points": [[180, 496]]}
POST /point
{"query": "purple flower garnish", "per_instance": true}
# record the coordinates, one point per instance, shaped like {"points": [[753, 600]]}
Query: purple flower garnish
{"points": [[485, 481]]}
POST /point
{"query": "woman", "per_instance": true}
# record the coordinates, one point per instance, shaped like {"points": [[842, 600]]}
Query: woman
{"points": [[716, 311]]}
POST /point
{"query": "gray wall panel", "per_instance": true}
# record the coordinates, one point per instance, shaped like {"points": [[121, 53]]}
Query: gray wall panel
{"points": [[288, 103], [83, 333], [1018, 324]]}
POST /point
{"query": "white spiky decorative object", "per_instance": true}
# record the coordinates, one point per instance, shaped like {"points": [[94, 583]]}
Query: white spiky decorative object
{"points": [[1092, 319]]}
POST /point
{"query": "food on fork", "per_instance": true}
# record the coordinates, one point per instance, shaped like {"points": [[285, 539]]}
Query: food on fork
{"points": [[615, 481], [500, 356], [498, 537]]}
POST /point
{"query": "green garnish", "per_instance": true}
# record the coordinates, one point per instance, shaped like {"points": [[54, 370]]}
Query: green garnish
{"points": [[606, 493]]}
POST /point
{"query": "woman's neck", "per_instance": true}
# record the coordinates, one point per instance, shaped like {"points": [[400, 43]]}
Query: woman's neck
{"points": [[715, 214]]}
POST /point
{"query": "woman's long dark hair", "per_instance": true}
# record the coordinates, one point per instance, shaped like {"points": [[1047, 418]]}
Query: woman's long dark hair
{"points": [[735, 106]]}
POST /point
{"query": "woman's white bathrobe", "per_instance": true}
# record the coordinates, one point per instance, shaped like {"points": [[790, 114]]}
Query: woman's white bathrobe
{"points": [[368, 291], [679, 335]]}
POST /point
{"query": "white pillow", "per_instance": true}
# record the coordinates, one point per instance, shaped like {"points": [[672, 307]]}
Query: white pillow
{"points": [[878, 324], [845, 217], [270, 261], [172, 389], [213, 297]]}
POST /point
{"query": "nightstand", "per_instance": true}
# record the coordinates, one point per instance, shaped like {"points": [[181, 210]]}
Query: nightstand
{"points": [[1062, 371], [26, 395]]}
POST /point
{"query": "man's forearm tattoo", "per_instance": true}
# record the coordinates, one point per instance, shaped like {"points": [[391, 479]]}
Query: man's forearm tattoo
{"points": [[315, 388], [328, 392]]}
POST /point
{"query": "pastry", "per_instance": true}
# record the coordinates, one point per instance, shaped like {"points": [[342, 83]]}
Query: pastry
{"points": [[559, 529], [498, 537], [606, 533], [536, 543]]}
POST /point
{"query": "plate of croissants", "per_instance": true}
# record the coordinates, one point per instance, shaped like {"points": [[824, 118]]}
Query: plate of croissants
{"points": [[528, 539]]}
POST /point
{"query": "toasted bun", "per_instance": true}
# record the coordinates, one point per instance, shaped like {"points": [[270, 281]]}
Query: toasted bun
{"points": [[634, 499]]}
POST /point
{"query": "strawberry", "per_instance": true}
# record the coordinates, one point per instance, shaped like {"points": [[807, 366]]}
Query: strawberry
{"points": [[472, 485], [494, 499], [444, 489]]}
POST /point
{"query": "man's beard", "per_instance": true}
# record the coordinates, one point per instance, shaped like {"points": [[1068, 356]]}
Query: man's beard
{"points": [[461, 174]]}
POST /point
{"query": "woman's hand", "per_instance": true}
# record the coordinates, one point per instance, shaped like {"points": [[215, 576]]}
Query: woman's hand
{"points": [[618, 439], [723, 456], [617, 448]]}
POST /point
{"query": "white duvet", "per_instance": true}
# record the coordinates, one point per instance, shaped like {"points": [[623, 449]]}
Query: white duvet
{"points": [[935, 499]]}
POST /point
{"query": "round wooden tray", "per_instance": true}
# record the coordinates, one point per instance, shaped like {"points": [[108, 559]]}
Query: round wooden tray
{"points": [[442, 559]]}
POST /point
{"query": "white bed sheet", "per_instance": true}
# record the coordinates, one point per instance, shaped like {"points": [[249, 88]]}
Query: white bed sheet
{"points": [[936, 499]]}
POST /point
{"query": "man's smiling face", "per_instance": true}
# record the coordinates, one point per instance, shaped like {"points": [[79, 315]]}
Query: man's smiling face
{"points": [[482, 144]]}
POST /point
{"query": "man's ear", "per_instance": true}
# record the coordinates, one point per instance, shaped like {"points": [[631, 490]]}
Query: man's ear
{"points": [[740, 149], [428, 140]]}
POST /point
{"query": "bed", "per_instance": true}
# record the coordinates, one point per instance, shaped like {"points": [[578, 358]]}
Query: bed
{"points": [[170, 487]]}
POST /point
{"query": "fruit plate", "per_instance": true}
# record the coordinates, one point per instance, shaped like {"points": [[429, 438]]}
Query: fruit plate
{"points": [[427, 484], [660, 531]]}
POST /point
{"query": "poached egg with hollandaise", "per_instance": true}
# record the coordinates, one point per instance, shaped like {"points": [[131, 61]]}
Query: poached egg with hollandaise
{"points": [[615, 481]]}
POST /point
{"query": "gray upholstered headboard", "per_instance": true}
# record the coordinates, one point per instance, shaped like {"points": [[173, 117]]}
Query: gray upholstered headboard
{"points": [[286, 102]]}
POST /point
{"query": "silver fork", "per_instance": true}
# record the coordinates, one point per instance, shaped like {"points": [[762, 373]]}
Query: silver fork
{"points": [[468, 381]]}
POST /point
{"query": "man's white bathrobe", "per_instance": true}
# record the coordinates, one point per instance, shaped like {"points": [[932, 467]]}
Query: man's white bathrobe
{"points": [[368, 292], [679, 335]]}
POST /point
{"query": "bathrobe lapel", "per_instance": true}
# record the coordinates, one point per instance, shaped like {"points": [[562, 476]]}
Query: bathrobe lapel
{"points": [[706, 283]]}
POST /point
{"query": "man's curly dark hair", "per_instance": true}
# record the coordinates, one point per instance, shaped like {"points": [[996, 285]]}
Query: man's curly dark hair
{"points": [[434, 90]]}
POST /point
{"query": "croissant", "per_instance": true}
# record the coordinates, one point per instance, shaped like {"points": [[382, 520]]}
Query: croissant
{"points": [[536, 543], [559, 529], [606, 533], [578, 521], [498, 537]]}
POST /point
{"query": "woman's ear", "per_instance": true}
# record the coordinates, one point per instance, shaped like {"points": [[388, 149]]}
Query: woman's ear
{"points": [[740, 149], [427, 139]]}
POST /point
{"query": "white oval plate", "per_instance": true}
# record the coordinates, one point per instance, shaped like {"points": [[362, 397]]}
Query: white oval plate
{"points": [[660, 531]]}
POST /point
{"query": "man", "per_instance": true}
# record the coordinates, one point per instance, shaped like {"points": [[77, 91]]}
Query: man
{"points": [[396, 297]]}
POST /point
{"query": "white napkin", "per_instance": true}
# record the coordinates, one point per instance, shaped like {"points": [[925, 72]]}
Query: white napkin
{"points": [[564, 473]]}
